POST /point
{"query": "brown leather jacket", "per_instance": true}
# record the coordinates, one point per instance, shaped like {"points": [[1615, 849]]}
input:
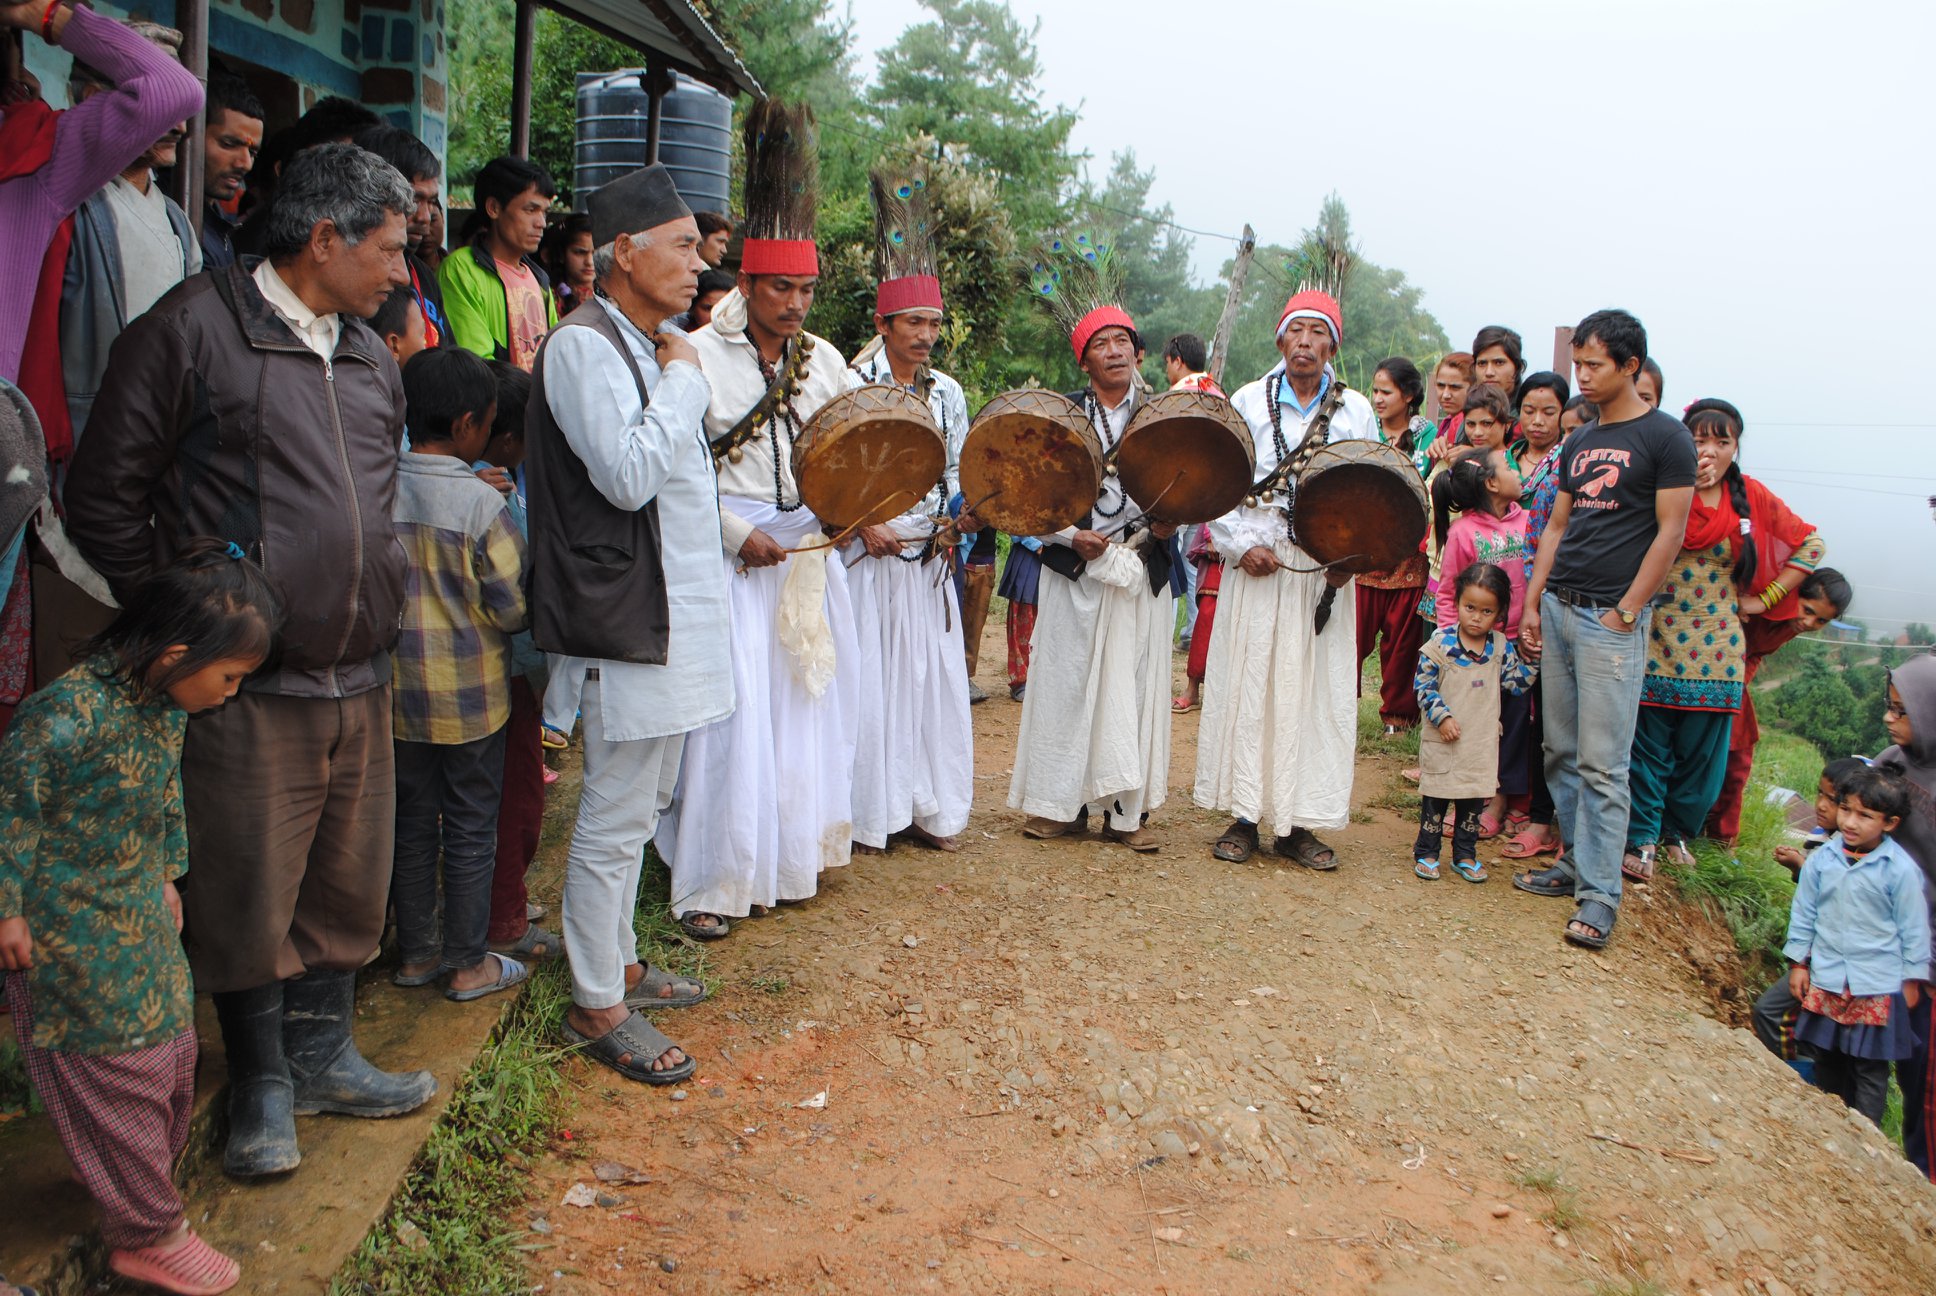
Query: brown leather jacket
{"points": [[216, 420]]}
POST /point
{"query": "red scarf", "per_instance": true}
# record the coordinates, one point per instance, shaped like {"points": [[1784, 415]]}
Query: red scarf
{"points": [[1775, 529], [26, 137]]}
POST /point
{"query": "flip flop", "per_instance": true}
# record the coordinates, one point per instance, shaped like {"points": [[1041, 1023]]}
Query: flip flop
{"points": [[551, 737], [533, 911], [1182, 706], [1426, 868], [192, 1268], [550, 776], [510, 973], [1597, 916], [1549, 882], [1637, 864], [1412, 775], [1471, 870], [1527, 845], [1488, 826], [719, 930], [536, 943], [630, 1048], [646, 993]]}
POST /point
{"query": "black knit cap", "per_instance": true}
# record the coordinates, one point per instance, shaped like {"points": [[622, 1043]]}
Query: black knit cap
{"points": [[645, 199]]}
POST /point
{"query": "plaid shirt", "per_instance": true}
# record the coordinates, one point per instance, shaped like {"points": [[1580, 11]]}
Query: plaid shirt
{"points": [[463, 599], [1516, 674]]}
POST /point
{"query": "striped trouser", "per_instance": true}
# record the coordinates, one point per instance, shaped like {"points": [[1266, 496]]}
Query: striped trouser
{"points": [[123, 1119]]}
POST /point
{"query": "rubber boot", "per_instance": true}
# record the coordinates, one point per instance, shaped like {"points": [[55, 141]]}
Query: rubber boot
{"points": [[262, 1117], [318, 1013]]}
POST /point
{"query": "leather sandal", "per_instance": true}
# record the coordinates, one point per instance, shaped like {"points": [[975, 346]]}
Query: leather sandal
{"points": [[1238, 843], [630, 1048]]}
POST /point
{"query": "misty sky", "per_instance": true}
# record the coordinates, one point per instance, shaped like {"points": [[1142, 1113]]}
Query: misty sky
{"points": [[1753, 178]]}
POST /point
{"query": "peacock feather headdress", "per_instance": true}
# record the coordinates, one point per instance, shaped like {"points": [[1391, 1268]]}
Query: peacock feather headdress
{"points": [[1080, 283], [903, 242], [782, 189]]}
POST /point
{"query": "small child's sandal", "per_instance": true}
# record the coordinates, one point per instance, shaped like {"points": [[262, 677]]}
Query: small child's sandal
{"points": [[1471, 870], [1427, 869]]}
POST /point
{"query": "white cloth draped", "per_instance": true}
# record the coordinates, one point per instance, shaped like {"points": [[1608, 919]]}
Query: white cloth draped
{"points": [[915, 759], [765, 797], [1096, 717], [1280, 711]]}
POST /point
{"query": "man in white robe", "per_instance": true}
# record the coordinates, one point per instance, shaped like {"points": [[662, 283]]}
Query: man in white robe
{"points": [[765, 799], [1280, 712], [628, 592], [915, 759], [1096, 717]]}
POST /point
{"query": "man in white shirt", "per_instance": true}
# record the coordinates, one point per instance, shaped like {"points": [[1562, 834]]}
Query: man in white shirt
{"points": [[915, 761], [628, 593], [765, 797], [1280, 717], [1096, 717]]}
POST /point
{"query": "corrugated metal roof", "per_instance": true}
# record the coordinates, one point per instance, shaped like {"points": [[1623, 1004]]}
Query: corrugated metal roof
{"points": [[671, 29]]}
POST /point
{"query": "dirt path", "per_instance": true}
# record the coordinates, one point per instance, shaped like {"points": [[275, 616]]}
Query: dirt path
{"points": [[1063, 1067]]}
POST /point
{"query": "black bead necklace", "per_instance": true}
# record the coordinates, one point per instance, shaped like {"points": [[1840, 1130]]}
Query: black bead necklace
{"points": [[782, 414], [1093, 408]]}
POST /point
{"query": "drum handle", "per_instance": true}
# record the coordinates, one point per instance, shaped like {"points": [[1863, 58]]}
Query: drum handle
{"points": [[842, 537]]}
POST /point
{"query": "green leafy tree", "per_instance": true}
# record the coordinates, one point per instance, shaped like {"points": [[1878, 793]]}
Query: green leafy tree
{"points": [[970, 77], [1836, 707], [478, 90]]}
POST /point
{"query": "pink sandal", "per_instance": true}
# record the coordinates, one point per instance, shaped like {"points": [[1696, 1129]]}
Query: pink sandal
{"points": [[191, 1267], [1530, 844]]}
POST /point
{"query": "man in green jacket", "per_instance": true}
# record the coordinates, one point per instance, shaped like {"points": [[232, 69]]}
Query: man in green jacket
{"points": [[496, 297]]}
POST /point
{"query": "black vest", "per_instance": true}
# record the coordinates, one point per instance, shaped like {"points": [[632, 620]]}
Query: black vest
{"points": [[597, 571]]}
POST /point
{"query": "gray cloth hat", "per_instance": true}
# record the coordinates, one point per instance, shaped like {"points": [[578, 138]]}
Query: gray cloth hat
{"points": [[23, 463], [641, 200]]}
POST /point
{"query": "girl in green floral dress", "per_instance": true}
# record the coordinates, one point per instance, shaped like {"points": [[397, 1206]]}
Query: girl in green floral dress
{"points": [[91, 840]]}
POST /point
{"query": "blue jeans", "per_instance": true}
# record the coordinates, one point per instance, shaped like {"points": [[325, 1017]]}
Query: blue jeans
{"points": [[1590, 682], [1190, 578], [447, 797]]}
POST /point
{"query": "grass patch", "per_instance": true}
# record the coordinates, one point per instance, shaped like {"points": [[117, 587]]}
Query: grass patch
{"points": [[453, 1227], [1546, 1181], [1562, 1213]]}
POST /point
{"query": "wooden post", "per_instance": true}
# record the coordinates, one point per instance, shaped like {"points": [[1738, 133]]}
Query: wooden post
{"points": [[658, 82], [1227, 322], [1563, 351], [524, 38], [192, 15]]}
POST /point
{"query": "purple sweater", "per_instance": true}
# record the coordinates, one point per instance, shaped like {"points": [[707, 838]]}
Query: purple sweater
{"points": [[93, 143]]}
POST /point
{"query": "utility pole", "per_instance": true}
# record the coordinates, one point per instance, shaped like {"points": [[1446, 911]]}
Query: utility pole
{"points": [[1227, 322]]}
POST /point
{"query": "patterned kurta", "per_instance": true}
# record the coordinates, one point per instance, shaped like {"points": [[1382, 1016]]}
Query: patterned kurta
{"points": [[1696, 657], [90, 828]]}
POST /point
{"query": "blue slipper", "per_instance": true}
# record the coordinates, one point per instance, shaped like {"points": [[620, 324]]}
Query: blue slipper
{"points": [[1426, 868], [510, 972]]}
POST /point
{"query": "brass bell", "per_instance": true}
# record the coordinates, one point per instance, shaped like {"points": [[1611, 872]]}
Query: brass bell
{"points": [[736, 454], [1109, 469], [1269, 495], [1250, 501]]}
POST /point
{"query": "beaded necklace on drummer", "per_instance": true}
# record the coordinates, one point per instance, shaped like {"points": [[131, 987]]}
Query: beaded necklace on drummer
{"points": [[1100, 421], [783, 414], [1275, 399]]}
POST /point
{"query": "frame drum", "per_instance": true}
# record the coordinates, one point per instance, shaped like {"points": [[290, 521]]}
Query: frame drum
{"points": [[1031, 464], [1186, 457], [1362, 501], [868, 455]]}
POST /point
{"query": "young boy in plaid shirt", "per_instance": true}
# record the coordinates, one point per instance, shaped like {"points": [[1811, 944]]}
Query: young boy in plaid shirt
{"points": [[463, 599]]}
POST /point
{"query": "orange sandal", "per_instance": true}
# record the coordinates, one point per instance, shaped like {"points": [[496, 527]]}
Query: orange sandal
{"points": [[191, 1267]]}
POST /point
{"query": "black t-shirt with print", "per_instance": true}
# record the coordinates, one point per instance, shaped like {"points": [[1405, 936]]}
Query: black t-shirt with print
{"points": [[1612, 471]]}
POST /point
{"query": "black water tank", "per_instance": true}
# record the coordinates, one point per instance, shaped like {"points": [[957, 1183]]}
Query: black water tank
{"points": [[695, 136]]}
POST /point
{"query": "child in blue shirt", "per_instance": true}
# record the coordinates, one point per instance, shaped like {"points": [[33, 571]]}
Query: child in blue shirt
{"points": [[1858, 939]]}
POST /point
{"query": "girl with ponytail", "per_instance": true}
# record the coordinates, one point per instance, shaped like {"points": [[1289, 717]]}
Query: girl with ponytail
{"points": [[1482, 488], [1745, 554]]}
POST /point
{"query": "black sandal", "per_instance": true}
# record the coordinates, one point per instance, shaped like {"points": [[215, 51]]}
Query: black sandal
{"points": [[1303, 847], [719, 930], [1238, 843], [630, 1048], [1596, 916], [1550, 882]]}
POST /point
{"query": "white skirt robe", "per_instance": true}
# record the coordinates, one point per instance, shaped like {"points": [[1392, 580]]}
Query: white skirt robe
{"points": [[1280, 705], [1096, 716], [915, 758], [765, 797]]}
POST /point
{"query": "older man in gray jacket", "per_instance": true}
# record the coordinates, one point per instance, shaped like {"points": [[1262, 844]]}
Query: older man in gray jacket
{"points": [[255, 405]]}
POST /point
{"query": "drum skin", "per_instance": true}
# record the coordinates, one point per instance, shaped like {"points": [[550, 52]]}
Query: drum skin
{"points": [[1186, 457], [1031, 464], [868, 456], [1362, 501]]}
